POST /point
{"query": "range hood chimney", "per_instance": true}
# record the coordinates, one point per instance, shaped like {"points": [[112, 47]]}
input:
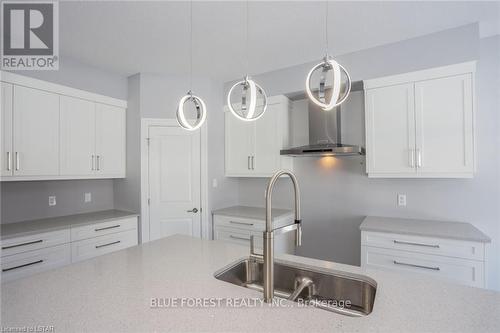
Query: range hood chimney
{"points": [[325, 128]]}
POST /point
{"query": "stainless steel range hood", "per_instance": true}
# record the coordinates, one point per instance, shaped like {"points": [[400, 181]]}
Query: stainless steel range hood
{"points": [[330, 132]]}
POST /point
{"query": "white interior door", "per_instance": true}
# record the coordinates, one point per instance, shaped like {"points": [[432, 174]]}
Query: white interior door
{"points": [[77, 140], [36, 132], [110, 140], [390, 121], [445, 125], [6, 130], [174, 182]]}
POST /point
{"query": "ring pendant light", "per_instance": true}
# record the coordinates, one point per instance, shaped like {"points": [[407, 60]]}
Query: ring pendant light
{"points": [[201, 109], [250, 92], [328, 65]]}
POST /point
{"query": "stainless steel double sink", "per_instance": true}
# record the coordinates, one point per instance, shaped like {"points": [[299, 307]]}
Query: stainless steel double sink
{"points": [[340, 292]]}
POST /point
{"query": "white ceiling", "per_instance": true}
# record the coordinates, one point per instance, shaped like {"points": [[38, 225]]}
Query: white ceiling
{"points": [[131, 37]]}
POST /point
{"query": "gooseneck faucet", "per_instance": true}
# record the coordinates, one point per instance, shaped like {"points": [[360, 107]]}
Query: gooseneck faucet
{"points": [[269, 233]]}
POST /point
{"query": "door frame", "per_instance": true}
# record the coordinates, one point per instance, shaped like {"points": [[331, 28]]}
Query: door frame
{"points": [[146, 123]]}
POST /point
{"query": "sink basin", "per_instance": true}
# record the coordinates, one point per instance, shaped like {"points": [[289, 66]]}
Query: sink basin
{"points": [[341, 292]]}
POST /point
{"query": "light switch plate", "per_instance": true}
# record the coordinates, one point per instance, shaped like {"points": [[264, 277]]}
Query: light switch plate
{"points": [[402, 200], [88, 197], [52, 200]]}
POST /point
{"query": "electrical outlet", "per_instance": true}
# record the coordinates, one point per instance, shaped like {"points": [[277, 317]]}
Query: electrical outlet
{"points": [[52, 200], [88, 197], [402, 200]]}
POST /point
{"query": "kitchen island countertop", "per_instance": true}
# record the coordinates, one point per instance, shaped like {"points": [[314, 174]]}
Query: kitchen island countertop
{"points": [[114, 293]]}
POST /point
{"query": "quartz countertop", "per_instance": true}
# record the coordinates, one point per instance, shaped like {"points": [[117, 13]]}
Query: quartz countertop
{"points": [[26, 228], [257, 213], [428, 228], [113, 293]]}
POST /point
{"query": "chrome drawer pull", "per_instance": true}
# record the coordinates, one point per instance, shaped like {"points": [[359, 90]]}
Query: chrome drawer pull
{"points": [[22, 244], [242, 223], [21, 266], [103, 245], [106, 228], [417, 266], [417, 244], [240, 238]]}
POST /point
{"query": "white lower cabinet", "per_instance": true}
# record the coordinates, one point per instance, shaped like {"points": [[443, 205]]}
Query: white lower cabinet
{"points": [[93, 247], [239, 230], [450, 259], [26, 255]]}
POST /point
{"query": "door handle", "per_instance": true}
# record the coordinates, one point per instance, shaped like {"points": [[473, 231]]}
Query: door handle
{"points": [[17, 161], [194, 210], [98, 162], [248, 163], [412, 157], [93, 158], [253, 165], [9, 161], [419, 158]]}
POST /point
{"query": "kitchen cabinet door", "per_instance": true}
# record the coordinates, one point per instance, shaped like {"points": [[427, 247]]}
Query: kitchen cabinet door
{"points": [[390, 130], [36, 132], [110, 140], [77, 140], [266, 157], [6, 130], [239, 137], [444, 137]]}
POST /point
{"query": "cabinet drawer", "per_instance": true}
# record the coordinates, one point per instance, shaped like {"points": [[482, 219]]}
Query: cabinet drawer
{"points": [[469, 272], [239, 223], [425, 245], [31, 262], [34, 242], [93, 247], [238, 236], [103, 228]]}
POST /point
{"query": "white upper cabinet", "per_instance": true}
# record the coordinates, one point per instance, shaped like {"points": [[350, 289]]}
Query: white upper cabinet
{"points": [[110, 140], [36, 132], [49, 131], [6, 130], [252, 149], [77, 140], [421, 124]]}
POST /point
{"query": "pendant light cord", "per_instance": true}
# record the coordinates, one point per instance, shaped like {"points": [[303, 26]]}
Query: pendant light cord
{"points": [[246, 39], [191, 45], [326, 29]]}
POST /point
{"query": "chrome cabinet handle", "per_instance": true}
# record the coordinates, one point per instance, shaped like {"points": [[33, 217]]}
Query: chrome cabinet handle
{"points": [[242, 223], [194, 210], [412, 157], [21, 266], [9, 161], [419, 158], [17, 161], [108, 244], [240, 238], [22, 244], [417, 266], [98, 162], [248, 163], [106, 228], [416, 244], [93, 158], [253, 165]]}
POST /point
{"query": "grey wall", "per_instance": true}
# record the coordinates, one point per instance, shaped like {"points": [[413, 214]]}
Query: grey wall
{"points": [[337, 195], [29, 200]]}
